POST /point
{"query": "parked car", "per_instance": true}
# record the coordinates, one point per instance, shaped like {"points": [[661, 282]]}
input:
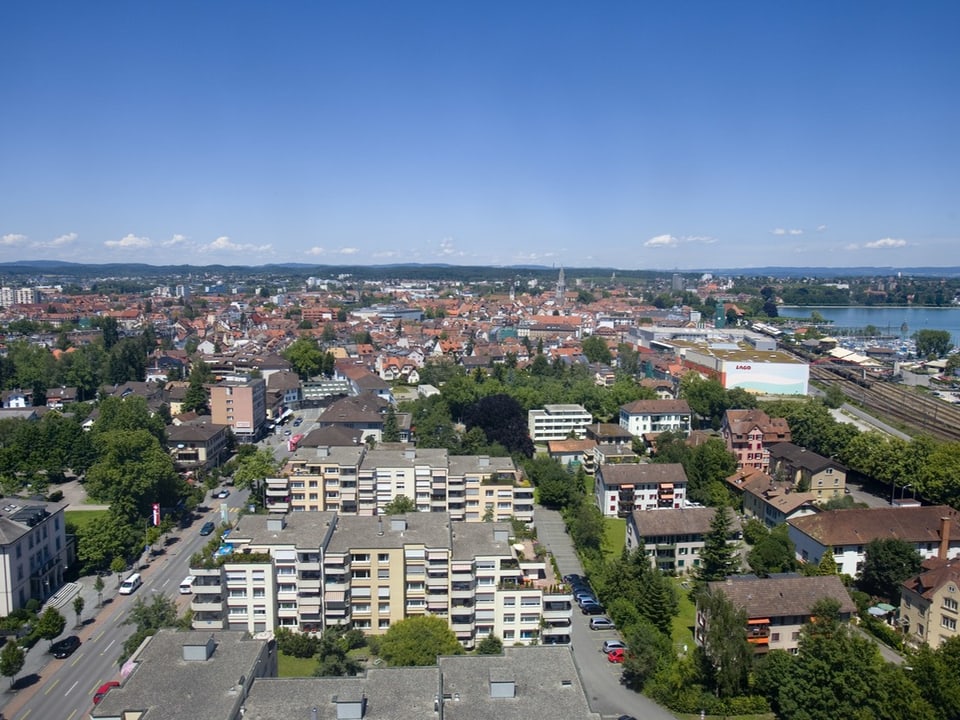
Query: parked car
{"points": [[208, 527], [66, 647], [572, 578], [579, 595], [616, 656], [601, 623], [610, 645], [224, 493], [297, 422], [103, 690], [591, 608], [587, 599]]}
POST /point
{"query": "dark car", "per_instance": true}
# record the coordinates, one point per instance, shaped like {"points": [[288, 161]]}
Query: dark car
{"points": [[66, 647], [297, 422], [591, 609], [208, 527]]}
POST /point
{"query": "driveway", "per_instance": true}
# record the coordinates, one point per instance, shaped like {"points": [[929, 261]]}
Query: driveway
{"points": [[600, 678]]}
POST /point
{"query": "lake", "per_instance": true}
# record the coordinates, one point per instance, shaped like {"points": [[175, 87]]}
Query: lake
{"points": [[887, 320]]}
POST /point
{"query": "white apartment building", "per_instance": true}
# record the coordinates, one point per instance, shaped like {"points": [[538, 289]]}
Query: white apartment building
{"points": [[33, 552], [558, 422], [356, 480], [621, 489], [310, 570], [655, 416]]}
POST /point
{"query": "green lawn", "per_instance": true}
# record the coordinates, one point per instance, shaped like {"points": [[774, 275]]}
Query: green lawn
{"points": [[289, 666], [82, 518], [683, 623], [614, 536]]}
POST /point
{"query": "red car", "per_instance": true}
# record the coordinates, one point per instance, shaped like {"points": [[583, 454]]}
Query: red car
{"points": [[103, 690], [616, 655]]}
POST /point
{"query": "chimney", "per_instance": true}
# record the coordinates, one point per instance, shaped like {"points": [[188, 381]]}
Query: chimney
{"points": [[944, 537]]}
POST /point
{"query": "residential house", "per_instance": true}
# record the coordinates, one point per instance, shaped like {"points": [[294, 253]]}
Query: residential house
{"points": [[806, 470], [558, 422], [777, 607], [642, 417], [930, 602], [621, 489], [571, 453], [240, 401], [197, 445], [845, 533], [673, 537], [749, 434]]}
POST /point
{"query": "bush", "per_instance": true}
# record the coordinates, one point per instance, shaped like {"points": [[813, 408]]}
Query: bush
{"points": [[55, 496], [299, 645]]}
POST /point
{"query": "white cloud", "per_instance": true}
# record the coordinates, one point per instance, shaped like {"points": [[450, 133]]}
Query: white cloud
{"points": [[851, 246], [885, 243], [315, 250], [662, 241], [386, 254], [64, 239], [447, 247], [13, 239], [175, 241], [821, 228], [348, 251], [225, 244], [796, 232], [675, 240], [130, 242], [785, 231], [779, 231]]}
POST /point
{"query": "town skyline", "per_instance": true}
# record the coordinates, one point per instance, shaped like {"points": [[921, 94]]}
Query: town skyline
{"points": [[632, 137]]}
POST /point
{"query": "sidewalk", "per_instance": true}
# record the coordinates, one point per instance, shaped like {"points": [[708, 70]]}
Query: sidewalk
{"points": [[37, 658]]}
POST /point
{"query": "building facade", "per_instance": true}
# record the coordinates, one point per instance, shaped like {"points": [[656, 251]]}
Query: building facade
{"points": [[621, 489], [930, 603], [241, 403], [655, 416], [558, 422], [673, 537], [33, 552], [749, 434]]}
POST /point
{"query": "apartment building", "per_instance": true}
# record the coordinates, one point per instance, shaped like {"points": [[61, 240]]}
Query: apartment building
{"points": [[655, 416], [558, 422], [621, 489], [673, 537], [240, 402], [846, 533], [749, 434], [306, 571], [777, 607], [200, 445], [357, 480], [33, 551], [930, 603], [824, 477]]}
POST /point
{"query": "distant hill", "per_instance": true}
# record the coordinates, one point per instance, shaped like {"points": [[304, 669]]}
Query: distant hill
{"points": [[424, 270]]}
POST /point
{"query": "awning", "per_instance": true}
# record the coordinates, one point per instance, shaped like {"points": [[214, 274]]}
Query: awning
{"points": [[759, 621], [334, 595], [626, 487], [666, 486]]}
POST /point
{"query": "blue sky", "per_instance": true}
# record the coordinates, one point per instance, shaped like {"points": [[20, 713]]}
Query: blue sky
{"points": [[645, 135]]}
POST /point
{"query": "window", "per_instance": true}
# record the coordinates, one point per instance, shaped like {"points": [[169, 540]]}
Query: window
{"points": [[948, 622], [510, 618], [509, 601], [950, 604], [795, 635], [383, 573], [383, 557], [774, 637]]}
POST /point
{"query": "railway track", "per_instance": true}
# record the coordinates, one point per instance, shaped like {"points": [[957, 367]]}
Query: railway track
{"points": [[895, 403]]}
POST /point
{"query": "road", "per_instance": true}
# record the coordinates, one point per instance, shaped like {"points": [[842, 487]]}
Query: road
{"points": [[63, 689], [600, 677]]}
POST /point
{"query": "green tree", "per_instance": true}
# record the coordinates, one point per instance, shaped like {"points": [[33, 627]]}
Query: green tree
{"points": [[254, 467], [332, 649], [78, 604], [305, 356], [12, 658], [773, 553], [418, 640], [718, 558], [887, 563], [490, 645], [197, 395], [391, 429], [117, 566], [556, 486], [726, 656], [98, 586], [147, 618], [50, 623], [503, 421], [834, 397], [129, 413], [932, 343], [648, 651], [596, 350], [400, 505]]}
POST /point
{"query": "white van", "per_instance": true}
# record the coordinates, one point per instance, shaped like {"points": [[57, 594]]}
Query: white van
{"points": [[186, 587], [130, 584]]}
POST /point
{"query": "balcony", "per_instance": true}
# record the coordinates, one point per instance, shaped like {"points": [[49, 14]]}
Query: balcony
{"points": [[205, 603], [207, 624]]}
